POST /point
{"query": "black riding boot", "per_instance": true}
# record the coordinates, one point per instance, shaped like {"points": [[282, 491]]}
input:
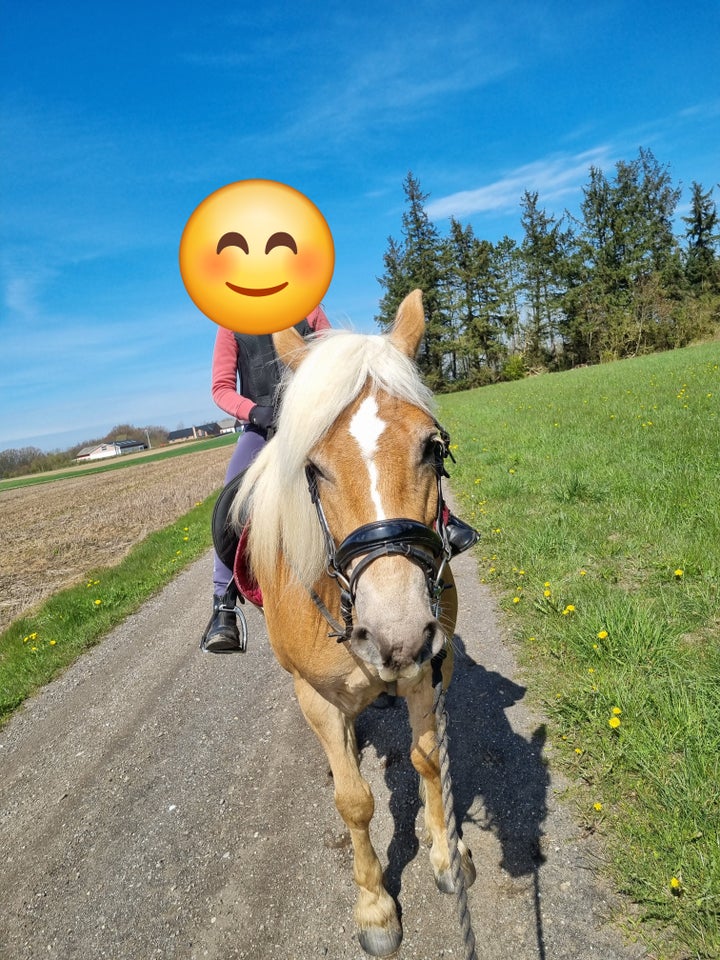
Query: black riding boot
{"points": [[461, 536], [221, 634]]}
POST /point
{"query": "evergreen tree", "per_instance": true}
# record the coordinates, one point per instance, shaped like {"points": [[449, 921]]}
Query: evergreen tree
{"points": [[466, 301], [541, 255], [701, 263], [394, 282], [415, 263], [624, 263], [507, 259]]}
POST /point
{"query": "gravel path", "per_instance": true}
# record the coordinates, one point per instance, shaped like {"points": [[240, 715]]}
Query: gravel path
{"points": [[160, 803]]}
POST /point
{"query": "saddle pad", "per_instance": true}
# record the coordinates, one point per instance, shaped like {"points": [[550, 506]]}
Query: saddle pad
{"points": [[244, 579]]}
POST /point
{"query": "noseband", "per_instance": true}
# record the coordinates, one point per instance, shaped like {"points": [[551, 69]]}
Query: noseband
{"points": [[423, 546]]}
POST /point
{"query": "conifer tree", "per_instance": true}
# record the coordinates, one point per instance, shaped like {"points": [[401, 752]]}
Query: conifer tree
{"points": [[541, 252], [415, 263], [701, 263]]}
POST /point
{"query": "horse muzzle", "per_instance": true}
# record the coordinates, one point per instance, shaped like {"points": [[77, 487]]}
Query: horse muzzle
{"points": [[399, 654]]}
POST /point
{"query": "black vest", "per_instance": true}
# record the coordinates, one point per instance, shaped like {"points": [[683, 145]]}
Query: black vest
{"points": [[258, 365]]}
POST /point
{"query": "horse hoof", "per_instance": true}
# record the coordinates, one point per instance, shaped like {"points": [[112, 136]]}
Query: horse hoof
{"points": [[381, 941], [444, 880]]}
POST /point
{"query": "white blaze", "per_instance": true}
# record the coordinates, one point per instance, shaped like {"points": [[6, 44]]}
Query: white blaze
{"points": [[365, 428]]}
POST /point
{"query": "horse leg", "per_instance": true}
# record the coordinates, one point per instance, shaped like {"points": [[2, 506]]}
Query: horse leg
{"points": [[426, 760], [379, 929]]}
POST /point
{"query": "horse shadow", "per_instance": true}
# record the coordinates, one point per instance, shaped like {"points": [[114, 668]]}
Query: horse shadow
{"points": [[500, 780]]}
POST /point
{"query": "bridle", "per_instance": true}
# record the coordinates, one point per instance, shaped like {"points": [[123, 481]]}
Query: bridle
{"points": [[426, 547]]}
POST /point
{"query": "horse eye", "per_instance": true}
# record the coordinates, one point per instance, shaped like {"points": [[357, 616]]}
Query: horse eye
{"points": [[315, 470], [430, 450]]}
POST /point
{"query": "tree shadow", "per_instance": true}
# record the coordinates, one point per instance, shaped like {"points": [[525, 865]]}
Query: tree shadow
{"points": [[500, 780]]}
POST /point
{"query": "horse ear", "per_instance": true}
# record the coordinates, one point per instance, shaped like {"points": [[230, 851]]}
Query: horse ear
{"points": [[290, 347], [409, 326]]}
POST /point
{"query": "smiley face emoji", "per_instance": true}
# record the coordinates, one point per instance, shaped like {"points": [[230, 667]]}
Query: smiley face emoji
{"points": [[256, 256]]}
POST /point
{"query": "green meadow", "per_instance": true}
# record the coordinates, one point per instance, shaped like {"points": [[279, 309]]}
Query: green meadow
{"points": [[597, 494]]}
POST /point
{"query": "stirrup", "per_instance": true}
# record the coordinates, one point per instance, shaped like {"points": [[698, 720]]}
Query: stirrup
{"points": [[228, 604]]}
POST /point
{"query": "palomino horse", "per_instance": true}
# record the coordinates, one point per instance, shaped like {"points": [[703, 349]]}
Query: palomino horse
{"points": [[342, 504]]}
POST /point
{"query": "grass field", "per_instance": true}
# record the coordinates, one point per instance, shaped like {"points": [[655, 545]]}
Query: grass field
{"points": [[597, 496]]}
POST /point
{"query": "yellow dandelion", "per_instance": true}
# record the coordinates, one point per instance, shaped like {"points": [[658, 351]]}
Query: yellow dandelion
{"points": [[675, 884], [614, 722], [547, 593], [52, 642], [578, 751], [583, 573], [679, 573], [603, 635], [185, 539], [616, 711], [516, 599], [98, 602], [597, 807]]}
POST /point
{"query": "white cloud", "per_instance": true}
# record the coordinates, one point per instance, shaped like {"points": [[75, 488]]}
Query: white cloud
{"points": [[553, 177]]}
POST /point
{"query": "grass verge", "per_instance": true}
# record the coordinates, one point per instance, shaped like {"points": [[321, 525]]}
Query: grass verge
{"points": [[37, 647], [596, 495]]}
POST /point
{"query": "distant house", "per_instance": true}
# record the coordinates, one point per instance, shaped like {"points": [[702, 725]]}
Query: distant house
{"points": [[177, 436], [194, 433], [113, 448], [230, 425]]}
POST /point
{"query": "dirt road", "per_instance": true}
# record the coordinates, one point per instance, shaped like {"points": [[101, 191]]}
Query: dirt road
{"points": [[160, 803]]}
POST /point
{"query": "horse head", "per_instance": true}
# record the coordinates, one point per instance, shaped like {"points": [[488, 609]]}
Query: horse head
{"points": [[375, 471]]}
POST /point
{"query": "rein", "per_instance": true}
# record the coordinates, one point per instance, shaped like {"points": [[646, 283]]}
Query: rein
{"points": [[428, 549]]}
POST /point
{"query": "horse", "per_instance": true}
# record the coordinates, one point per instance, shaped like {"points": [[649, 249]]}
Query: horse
{"points": [[345, 530]]}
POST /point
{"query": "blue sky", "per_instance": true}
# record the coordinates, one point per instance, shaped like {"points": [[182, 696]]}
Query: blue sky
{"points": [[117, 119]]}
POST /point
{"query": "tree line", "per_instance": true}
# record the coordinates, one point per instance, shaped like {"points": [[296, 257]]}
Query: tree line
{"points": [[17, 462], [612, 282]]}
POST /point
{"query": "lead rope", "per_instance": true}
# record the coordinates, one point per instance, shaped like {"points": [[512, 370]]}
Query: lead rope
{"points": [[456, 872]]}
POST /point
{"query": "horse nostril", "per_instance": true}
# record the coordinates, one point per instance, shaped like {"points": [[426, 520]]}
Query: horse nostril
{"points": [[430, 645], [363, 645]]}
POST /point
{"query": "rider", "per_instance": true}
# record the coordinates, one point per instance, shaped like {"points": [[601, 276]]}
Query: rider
{"points": [[251, 360]]}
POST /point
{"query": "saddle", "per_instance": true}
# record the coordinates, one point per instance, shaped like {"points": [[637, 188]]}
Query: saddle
{"points": [[231, 547]]}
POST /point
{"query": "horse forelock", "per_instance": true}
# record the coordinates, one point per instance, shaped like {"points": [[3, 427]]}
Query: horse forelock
{"points": [[336, 369]]}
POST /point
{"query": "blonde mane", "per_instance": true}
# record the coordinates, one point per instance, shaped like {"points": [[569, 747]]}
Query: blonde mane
{"points": [[274, 493]]}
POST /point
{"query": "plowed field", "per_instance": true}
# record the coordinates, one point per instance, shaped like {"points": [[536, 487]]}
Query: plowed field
{"points": [[53, 534]]}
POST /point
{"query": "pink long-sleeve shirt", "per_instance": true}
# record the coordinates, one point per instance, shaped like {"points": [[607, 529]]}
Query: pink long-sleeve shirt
{"points": [[224, 369]]}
